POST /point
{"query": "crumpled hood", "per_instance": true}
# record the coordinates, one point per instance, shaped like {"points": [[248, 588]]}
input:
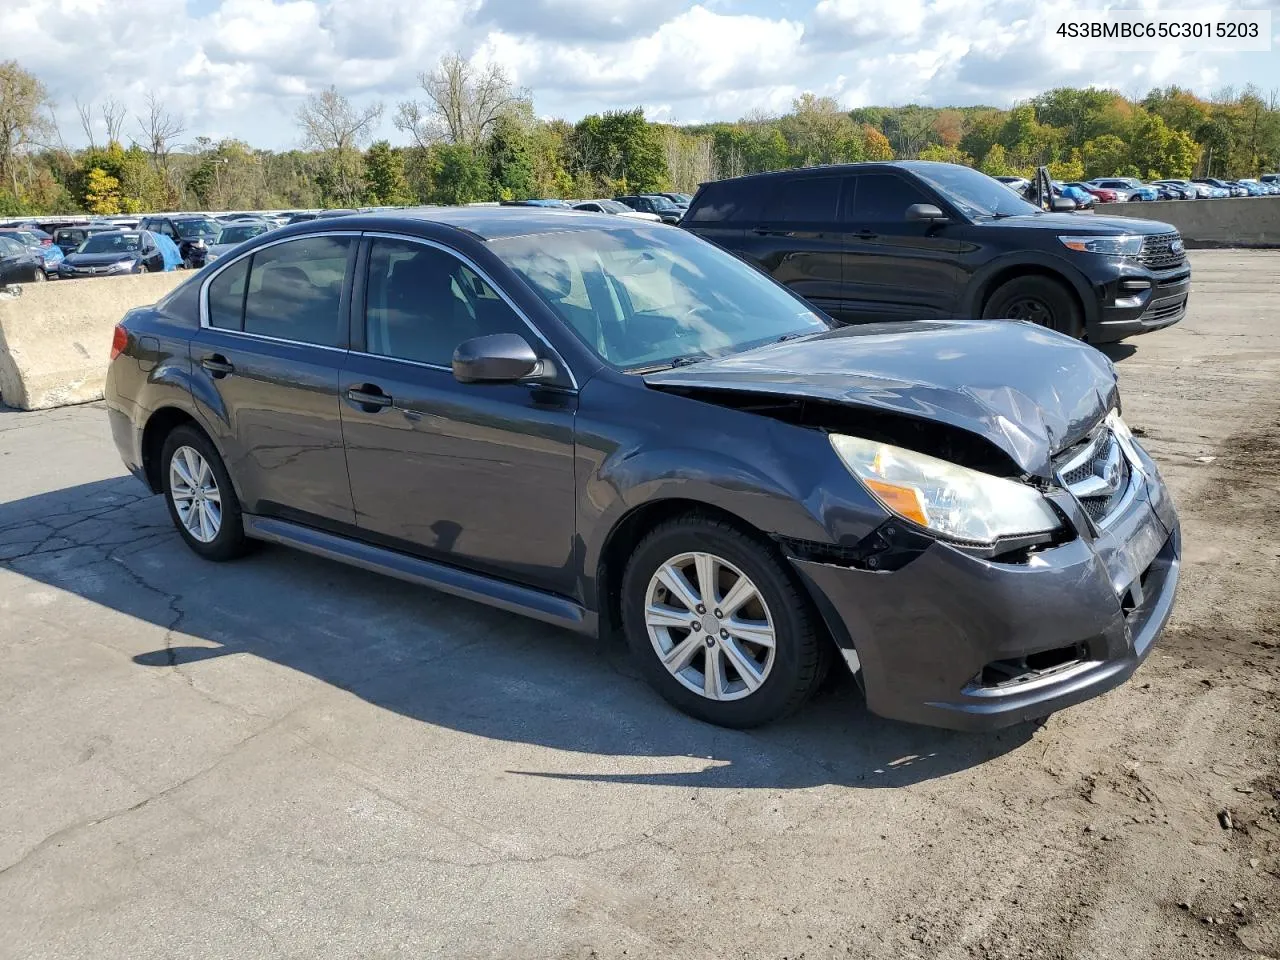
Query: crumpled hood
{"points": [[1028, 390]]}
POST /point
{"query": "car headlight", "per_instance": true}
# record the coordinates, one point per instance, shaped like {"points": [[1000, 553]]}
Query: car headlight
{"points": [[123, 265], [944, 497], [1123, 246]]}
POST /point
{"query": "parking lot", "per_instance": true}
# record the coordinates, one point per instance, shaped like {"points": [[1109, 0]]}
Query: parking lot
{"points": [[284, 757]]}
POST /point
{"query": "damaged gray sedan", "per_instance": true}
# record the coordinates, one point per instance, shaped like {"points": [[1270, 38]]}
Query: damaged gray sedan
{"points": [[611, 425]]}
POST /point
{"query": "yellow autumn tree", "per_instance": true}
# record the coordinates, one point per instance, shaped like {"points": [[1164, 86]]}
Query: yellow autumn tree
{"points": [[876, 143], [102, 192]]}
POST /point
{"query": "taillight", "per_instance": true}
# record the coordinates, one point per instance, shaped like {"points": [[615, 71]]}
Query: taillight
{"points": [[119, 340]]}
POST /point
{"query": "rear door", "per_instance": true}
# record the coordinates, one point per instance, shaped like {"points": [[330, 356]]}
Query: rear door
{"points": [[797, 240], [480, 475], [267, 358], [12, 261], [722, 211], [895, 268]]}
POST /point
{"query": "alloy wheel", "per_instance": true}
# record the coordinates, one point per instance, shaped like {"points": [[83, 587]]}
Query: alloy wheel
{"points": [[1032, 310], [195, 494], [710, 626]]}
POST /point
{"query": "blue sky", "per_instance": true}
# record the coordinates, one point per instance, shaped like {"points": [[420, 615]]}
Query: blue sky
{"points": [[241, 67]]}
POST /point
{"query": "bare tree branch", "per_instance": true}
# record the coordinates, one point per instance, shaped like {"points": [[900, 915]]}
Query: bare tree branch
{"points": [[332, 124], [463, 102], [113, 116], [160, 130], [85, 111]]}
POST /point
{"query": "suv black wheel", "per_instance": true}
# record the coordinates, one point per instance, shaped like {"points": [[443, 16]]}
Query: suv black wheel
{"points": [[1040, 300], [718, 625], [201, 500]]}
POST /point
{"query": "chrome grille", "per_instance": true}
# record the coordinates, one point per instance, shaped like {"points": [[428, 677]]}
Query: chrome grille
{"points": [[1098, 475], [1162, 250]]}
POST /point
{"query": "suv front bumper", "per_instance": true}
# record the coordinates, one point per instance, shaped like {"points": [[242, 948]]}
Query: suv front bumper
{"points": [[1163, 305], [954, 640]]}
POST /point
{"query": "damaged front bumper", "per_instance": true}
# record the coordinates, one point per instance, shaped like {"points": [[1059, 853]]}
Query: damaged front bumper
{"points": [[951, 639]]}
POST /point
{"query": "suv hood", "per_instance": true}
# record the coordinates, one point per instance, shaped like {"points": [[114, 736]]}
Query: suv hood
{"points": [[1028, 390], [100, 259], [1095, 224]]}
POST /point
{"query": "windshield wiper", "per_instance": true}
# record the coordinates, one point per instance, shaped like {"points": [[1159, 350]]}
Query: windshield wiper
{"points": [[668, 364]]}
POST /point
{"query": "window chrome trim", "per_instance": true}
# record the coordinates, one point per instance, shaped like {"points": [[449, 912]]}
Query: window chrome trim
{"points": [[483, 275], [204, 287]]}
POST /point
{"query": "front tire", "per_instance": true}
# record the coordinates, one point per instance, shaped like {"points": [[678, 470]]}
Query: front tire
{"points": [[1040, 300], [718, 625], [201, 500]]}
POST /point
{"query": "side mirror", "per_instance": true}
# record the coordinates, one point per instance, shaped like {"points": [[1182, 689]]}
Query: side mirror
{"points": [[1062, 205], [925, 213], [496, 358]]}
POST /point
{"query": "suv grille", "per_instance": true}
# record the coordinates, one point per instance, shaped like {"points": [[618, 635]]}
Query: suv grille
{"points": [[1162, 250], [1098, 474]]}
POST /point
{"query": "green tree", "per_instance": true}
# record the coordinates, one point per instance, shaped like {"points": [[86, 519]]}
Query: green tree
{"points": [[385, 181], [23, 99], [460, 174], [995, 163], [935, 151], [510, 163], [1107, 156], [876, 144], [620, 147], [1069, 169]]}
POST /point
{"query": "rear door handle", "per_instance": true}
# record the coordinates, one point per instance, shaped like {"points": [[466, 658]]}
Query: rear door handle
{"points": [[217, 365], [368, 399], [865, 234]]}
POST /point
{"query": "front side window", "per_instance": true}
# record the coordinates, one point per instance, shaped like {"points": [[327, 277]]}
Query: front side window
{"points": [[882, 198], [241, 233], [642, 298], [421, 302], [295, 289], [9, 248]]}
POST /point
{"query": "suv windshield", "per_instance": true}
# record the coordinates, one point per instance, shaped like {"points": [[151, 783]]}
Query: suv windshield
{"points": [[241, 232], [196, 228], [111, 243], [663, 204], [643, 301], [975, 194], [613, 206]]}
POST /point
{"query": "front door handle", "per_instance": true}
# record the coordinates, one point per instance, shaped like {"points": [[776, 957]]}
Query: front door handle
{"points": [[217, 365], [369, 398], [865, 234]]}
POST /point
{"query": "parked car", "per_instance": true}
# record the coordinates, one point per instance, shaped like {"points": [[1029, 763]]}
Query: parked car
{"points": [[605, 424], [1019, 185], [681, 200], [1272, 178], [654, 203], [114, 253], [1127, 188], [1169, 190], [191, 233], [70, 238], [233, 234], [1200, 191], [1218, 189], [1250, 188], [615, 208], [50, 253], [1268, 189], [1099, 194], [917, 240], [19, 263]]}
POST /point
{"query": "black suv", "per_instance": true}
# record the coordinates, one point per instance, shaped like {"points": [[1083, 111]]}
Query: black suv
{"points": [[920, 240], [190, 232], [654, 203]]}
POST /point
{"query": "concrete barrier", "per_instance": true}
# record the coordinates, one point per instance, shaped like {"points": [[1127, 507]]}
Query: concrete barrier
{"points": [[55, 338], [1239, 222]]}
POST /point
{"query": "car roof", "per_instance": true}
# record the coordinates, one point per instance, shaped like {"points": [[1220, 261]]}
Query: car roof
{"points": [[483, 223]]}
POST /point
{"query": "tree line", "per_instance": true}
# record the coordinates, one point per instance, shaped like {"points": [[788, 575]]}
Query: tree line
{"points": [[474, 136]]}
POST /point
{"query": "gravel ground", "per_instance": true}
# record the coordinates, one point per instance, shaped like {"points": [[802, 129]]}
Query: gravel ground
{"points": [[288, 758]]}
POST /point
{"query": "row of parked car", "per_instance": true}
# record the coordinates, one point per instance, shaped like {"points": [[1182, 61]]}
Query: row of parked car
{"points": [[1126, 189]]}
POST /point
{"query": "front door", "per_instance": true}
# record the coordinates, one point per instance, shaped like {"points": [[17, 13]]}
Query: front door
{"points": [[266, 363], [479, 475], [895, 268]]}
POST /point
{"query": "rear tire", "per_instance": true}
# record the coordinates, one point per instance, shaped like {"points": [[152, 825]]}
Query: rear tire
{"points": [[1040, 300], [38, 276], [201, 499], [748, 683]]}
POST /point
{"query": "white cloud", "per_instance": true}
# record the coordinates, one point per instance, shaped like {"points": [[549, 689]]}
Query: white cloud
{"points": [[242, 67]]}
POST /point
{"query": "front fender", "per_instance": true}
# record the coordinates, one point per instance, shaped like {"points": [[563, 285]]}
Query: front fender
{"points": [[981, 283]]}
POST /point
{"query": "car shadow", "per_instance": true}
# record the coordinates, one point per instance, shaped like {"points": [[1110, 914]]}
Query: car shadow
{"points": [[445, 661], [1122, 350]]}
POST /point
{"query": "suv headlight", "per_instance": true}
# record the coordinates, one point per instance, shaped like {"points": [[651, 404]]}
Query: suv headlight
{"points": [[1124, 246], [948, 499]]}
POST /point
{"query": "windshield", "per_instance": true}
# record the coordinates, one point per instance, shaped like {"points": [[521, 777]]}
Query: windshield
{"points": [[241, 232], [639, 300], [196, 228], [665, 205], [977, 195], [613, 206], [111, 243]]}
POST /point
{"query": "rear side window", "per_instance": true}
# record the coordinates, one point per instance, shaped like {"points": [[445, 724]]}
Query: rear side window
{"points": [[881, 198], [9, 248], [804, 200], [226, 296], [727, 202], [295, 290]]}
